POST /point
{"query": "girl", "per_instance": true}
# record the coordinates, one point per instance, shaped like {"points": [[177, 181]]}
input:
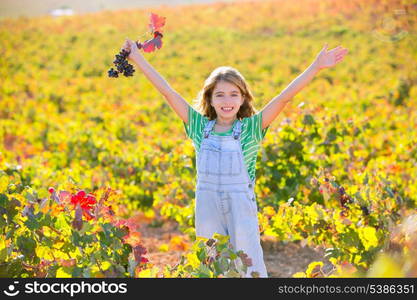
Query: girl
{"points": [[226, 131]]}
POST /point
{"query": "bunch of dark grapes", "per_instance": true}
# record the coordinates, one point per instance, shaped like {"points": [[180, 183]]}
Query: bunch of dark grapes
{"points": [[122, 65], [343, 197], [365, 210]]}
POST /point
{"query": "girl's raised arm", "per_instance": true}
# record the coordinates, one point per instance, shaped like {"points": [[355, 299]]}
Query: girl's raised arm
{"points": [[178, 103]]}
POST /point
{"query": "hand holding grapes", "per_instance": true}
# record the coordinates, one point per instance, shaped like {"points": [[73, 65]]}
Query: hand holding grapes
{"points": [[130, 49]]}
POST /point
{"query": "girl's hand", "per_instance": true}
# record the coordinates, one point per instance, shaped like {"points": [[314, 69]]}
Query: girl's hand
{"points": [[327, 59], [131, 47]]}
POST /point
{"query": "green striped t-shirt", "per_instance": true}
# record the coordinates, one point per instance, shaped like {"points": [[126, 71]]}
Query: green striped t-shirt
{"points": [[251, 136]]}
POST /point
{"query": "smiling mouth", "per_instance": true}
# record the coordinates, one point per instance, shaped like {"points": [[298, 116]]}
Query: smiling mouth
{"points": [[227, 109]]}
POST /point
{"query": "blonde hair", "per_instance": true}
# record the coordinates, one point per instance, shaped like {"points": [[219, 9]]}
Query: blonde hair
{"points": [[230, 75]]}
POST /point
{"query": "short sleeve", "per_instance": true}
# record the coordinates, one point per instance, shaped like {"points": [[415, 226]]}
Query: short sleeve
{"points": [[263, 131], [254, 127], [195, 125]]}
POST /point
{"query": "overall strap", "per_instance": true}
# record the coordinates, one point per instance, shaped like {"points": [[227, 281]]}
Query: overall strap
{"points": [[209, 126], [237, 129]]}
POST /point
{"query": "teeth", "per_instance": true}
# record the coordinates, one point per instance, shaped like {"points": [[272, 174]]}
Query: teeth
{"points": [[227, 108]]}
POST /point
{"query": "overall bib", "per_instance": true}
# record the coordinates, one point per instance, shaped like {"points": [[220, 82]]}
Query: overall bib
{"points": [[225, 198]]}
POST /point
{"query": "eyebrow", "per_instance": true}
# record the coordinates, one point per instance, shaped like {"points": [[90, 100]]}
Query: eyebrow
{"points": [[222, 92]]}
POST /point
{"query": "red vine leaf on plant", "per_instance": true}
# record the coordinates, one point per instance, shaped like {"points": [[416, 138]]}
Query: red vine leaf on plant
{"points": [[138, 252], [77, 223], [86, 202], [68, 262], [130, 223], [245, 259], [156, 23], [155, 26], [132, 238], [149, 45], [64, 197]]}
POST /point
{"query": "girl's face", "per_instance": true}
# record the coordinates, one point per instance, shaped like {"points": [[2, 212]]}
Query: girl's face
{"points": [[226, 99]]}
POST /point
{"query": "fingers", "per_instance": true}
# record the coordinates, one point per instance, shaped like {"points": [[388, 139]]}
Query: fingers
{"points": [[339, 49], [339, 58], [129, 45], [126, 45], [341, 53]]}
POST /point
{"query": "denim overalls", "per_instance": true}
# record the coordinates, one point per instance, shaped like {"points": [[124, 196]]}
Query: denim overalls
{"points": [[225, 198]]}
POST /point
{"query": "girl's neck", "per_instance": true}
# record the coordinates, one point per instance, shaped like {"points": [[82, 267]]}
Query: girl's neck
{"points": [[225, 122]]}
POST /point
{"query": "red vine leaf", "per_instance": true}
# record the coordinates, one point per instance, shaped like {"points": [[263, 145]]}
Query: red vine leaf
{"points": [[149, 45], [77, 223], [138, 252], [156, 23]]}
